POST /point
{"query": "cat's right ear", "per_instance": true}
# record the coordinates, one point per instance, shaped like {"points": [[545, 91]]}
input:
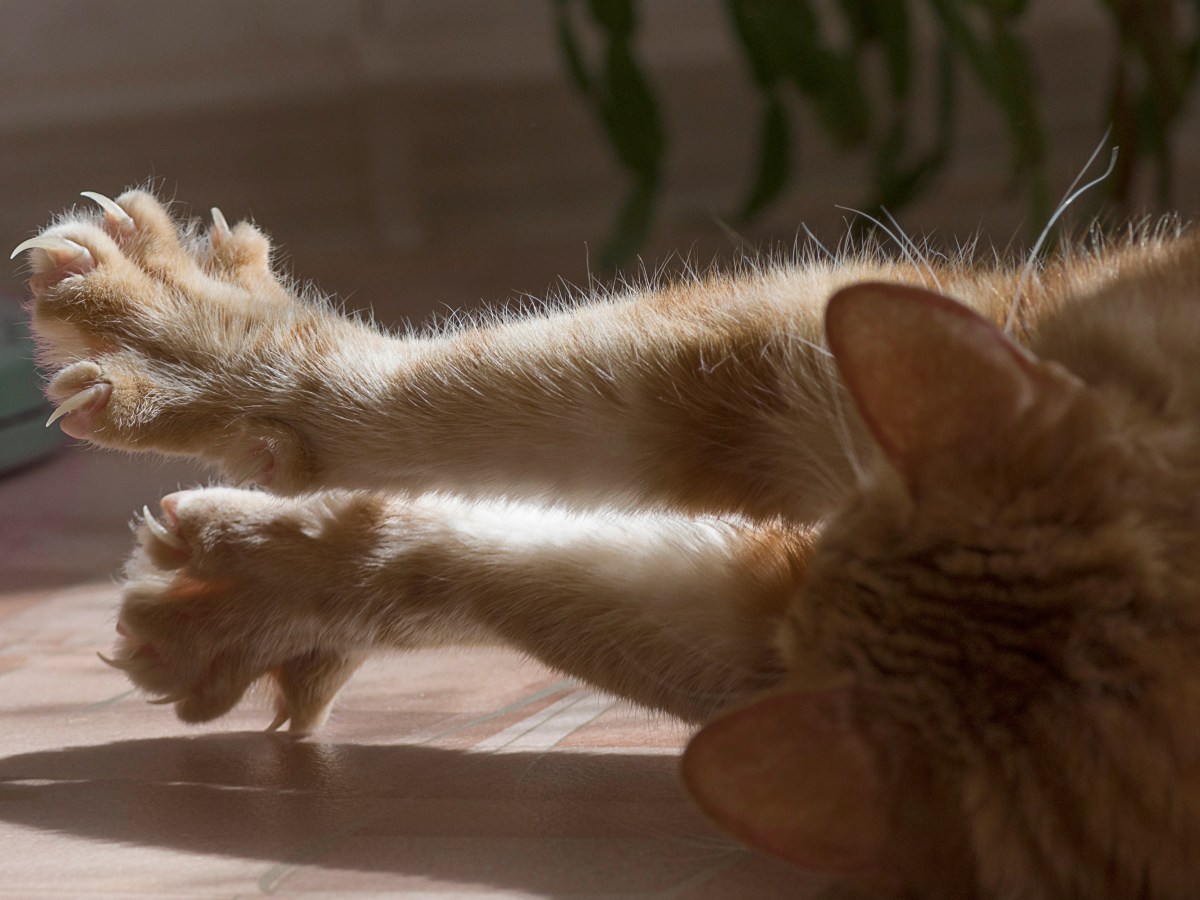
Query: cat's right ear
{"points": [[928, 375], [790, 774]]}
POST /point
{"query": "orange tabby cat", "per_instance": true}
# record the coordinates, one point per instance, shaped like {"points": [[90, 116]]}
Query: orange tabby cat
{"points": [[934, 588]]}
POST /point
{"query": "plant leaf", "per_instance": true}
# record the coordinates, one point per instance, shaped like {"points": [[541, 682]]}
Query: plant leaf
{"points": [[569, 46], [630, 114], [631, 227], [617, 17], [773, 160]]}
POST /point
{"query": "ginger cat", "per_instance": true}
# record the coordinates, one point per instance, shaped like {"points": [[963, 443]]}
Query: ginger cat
{"points": [[933, 586]]}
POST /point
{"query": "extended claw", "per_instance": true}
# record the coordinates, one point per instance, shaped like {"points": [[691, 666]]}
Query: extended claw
{"points": [[160, 531], [61, 250], [78, 401], [220, 229], [278, 722], [112, 209], [126, 665], [164, 701]]}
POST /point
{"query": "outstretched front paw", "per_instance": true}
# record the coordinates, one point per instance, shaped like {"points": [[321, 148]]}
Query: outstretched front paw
{"points": [[171, 338], [227, 588]]}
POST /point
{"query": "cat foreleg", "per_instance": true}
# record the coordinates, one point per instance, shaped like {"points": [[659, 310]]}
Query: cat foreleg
{"points": [[673, 613], [714, 396], [677, 614]]}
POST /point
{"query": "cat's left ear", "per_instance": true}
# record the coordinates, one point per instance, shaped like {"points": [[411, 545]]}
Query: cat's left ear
{"points": [[928, 375], [790, 775]]}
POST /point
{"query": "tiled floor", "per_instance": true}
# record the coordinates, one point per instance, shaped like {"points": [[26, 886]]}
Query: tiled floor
{"points": [[447, 774]]}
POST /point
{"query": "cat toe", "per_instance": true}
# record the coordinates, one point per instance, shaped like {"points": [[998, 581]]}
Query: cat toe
{"points": [[52, 259], [105, 401], [241, 247], [218, 691], [81, 394], [57, 255], [83, 405], [164, 540], [242, 254], [157, 244], [143, 664], [157, 332], [163, 650], [131, 656], [307, 686], [180, 535], [117, 222]]}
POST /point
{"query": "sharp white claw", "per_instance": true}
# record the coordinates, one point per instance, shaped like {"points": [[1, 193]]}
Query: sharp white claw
{"points": [[111, 207], [60, 248], [160, 531], [164, 701], [78, 401], [220, 229], [278, 722], [125, 665]]}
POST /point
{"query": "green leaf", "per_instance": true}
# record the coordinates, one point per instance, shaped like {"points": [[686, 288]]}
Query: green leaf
{"points": [[962, 39], [1148, 115], [630, 114], [1014, 92], [887, 24], [782, 40], [892, 26], [773, 160], [945, 99], [839, 99], [860, 18], [569, 46], [1016, 99], [1006, 8], [1001, 65], [617, 17], [762, 67], [897, 183], [631, 227], [777, 37]]}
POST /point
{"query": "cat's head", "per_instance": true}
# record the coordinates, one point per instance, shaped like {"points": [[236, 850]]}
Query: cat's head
{"points": [[995, 650]]}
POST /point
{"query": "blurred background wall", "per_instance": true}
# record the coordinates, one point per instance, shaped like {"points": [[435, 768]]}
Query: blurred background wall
{"points": [[414, 155]]}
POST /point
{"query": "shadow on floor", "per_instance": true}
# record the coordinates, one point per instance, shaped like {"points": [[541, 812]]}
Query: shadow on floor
{"points": [[552, 823]]}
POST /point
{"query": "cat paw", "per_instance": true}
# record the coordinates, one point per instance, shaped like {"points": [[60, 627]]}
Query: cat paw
{"points": [[166, 337], [226, 588]]}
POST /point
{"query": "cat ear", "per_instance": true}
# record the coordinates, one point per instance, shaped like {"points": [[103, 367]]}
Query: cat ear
{"points": [[927, 374], [789, 774]]}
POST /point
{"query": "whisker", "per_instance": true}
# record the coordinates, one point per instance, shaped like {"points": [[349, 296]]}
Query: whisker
{"points": [[924, 257], [917, 263], [1069, 197]]}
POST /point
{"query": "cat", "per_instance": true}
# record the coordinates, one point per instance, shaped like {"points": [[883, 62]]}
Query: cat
{"points": [[923, 569]]}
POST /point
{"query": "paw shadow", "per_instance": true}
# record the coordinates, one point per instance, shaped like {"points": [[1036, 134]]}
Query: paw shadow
{"points": [[316, 813]]}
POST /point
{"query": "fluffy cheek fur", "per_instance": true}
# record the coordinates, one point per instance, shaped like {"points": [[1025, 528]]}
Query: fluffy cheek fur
{"points": [[1022, 656]]}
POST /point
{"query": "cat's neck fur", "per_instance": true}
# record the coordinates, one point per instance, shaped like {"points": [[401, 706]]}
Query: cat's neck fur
{"points": [[1132, 328]]}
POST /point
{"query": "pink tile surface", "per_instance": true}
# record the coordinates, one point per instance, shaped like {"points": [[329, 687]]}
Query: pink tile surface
{"points": [[441, 774]]}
